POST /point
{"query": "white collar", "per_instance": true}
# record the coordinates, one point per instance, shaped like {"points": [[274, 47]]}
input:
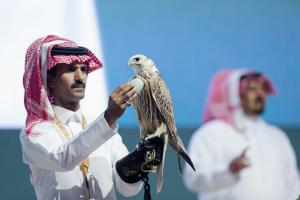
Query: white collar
{"points": [[251, 123], [65, 115]]}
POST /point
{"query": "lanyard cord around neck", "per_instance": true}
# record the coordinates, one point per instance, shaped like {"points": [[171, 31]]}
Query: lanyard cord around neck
{"points": [[85, 163]]}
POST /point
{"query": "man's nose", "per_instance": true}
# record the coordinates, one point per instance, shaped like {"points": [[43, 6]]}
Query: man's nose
{"points": [[79, 75], [261, 93]]}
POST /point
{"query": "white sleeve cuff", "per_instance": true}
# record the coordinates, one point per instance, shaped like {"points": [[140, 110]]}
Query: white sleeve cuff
{"points": [[126, 189]]}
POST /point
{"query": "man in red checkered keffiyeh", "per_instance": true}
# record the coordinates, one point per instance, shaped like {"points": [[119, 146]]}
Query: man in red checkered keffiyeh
{"points": [[67, 159]]}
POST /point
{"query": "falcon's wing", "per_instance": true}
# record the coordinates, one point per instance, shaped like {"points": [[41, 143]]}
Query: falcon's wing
{"points": [[163, 100]]}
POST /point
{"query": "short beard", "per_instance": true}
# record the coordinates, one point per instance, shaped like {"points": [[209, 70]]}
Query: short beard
{"points": [[259, 112], [256, 112]]}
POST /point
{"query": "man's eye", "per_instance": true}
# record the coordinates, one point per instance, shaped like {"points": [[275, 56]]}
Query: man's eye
{"points": [[71, 69], [84, 69]]}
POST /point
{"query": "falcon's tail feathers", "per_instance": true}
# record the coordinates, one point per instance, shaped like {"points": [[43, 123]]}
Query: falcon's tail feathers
{"points": [[182, 151], [179, 162], [187, 158]]}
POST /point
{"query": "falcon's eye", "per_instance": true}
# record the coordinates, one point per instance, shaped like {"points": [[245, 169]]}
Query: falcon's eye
{"points": [[136, 59]]}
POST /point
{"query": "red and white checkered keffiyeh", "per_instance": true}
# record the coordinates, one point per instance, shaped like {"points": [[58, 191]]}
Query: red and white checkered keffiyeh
{"points": [[38, 61], [223, 100]]}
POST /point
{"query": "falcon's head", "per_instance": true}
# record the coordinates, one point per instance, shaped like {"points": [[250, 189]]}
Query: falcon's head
{"points": [[140, 62]]}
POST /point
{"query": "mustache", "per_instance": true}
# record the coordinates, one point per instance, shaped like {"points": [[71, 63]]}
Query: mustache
{"points": [[259, 100], [78, 84]]}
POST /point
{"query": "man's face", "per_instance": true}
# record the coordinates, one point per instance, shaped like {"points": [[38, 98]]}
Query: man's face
{"points": [[68, 83], [253, 98]]}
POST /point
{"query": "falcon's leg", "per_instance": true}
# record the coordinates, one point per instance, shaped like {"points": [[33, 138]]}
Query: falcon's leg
{"points": [[143, 132], [161, 131]]}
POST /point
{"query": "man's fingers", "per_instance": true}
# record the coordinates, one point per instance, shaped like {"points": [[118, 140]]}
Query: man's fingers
{"points": [[132, 97], [117, 102], [128, 96], [240, 162], [242, 166], [243, 158], [243, 154], [245, 161], [123, 89], [123, 93], [239, 165]]}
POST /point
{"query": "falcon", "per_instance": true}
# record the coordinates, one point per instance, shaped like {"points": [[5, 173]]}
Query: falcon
{"points": [[154, 109]]}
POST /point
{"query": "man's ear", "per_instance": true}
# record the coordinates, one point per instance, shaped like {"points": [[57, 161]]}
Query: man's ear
{"points": [[50, 82], [51, 74]]}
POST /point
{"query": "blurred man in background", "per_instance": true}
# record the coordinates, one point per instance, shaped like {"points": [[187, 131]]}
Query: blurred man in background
{"points": [[68, 158], [237, 155]]}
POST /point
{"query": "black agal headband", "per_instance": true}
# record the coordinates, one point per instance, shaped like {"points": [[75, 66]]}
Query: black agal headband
{"points": [[68, 51]]}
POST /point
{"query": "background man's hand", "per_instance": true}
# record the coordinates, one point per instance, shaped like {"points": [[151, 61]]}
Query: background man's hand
{"points": [[117, 102], [239, 163]]}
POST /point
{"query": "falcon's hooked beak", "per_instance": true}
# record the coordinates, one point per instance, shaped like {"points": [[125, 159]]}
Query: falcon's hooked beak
{"points": [[130, 62], [134, 61]]}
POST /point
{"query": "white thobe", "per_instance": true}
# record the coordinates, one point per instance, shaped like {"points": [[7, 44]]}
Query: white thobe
{"points": [[54, 160], [272, 174]]}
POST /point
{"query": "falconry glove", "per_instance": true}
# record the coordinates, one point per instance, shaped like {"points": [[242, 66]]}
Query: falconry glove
{"points": [[144, 159]]}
